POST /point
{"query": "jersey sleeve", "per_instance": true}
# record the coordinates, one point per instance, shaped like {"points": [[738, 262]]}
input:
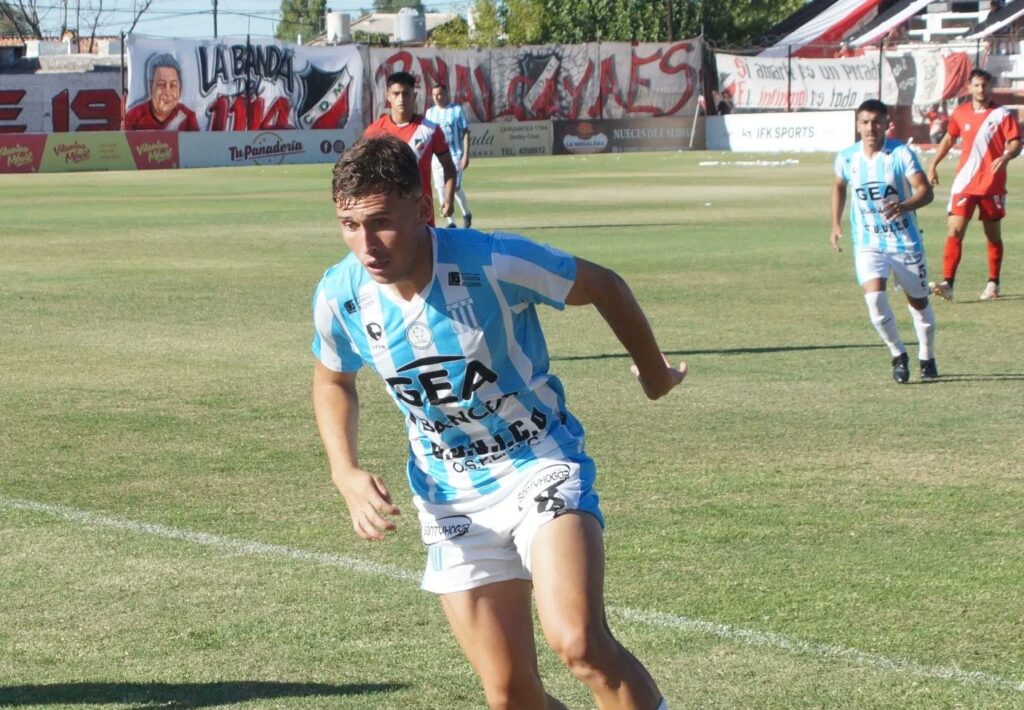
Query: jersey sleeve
{"points": [[1009, 127], [531, 272], [840, 166], [331, 343], [437, 142], [953, 129], [908, 161], [463, 121]]}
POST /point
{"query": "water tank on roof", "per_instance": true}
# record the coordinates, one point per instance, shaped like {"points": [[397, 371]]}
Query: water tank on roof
{"points": [[410, 26], [339, 27]]}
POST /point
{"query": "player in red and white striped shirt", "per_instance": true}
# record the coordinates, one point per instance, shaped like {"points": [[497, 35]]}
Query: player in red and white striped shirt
{"points": [[990, 138]]}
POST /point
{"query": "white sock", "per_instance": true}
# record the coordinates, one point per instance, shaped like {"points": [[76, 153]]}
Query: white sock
{"points": [[460, 200], [924, 326], [880, 313]]}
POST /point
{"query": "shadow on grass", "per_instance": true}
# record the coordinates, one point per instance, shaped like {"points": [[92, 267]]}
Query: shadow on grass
{"points": [[179, 696], [726, 351], [979, 377], [543, 227]]}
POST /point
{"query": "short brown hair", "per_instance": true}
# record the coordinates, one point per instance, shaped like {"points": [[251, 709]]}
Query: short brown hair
{"points": [[376, 166]]}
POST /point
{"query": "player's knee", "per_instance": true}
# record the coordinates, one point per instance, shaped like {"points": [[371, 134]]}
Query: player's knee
{"points": [[586, 652]]}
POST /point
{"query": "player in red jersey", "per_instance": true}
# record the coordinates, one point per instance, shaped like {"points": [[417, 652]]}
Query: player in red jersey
{"points": [[164, 110], [425, 137], [990, 138]]}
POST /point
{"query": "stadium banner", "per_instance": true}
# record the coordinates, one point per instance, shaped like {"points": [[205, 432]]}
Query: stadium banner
{"points": [[211, 150], [21, 153], [622, 136], [805, 131], [240, 84], [84, 152], [505, 139], [564, 82], [776, 83], [60, 103]]}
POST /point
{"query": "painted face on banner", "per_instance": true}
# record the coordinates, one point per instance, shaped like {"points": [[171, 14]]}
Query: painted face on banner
{"points": [[388, 235], [165, 91]]}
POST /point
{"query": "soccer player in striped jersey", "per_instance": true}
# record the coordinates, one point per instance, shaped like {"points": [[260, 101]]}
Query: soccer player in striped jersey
{"points": [[990, 137], [501, 480], [888, 185], [452, 120]]}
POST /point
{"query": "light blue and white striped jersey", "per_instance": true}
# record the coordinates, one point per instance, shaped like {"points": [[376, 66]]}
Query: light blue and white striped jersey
{"points": [[453, 122], [873, 182], [465, 360]]}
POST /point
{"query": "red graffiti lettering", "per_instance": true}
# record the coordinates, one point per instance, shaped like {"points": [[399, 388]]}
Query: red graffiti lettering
{"points": [[10, 101], [576, 91]]}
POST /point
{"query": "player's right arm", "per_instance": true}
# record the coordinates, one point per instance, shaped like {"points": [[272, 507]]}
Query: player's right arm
{"points": [[944, 146], [336, 404], [838, 203]]}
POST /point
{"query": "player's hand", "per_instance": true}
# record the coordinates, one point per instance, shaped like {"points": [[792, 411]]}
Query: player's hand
{"points": [[892, 209], [660, 383], [837, 234], [933, 176], [999, 164], [368, 502], [447, 208], [464, 163]]}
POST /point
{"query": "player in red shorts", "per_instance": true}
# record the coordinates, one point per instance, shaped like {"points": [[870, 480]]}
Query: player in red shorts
{"points": [[163, 110], [990, 138], [425, 137]]}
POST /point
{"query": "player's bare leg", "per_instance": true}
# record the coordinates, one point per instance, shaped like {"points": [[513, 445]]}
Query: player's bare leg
{"points": [[568, 576], [494, 626]]}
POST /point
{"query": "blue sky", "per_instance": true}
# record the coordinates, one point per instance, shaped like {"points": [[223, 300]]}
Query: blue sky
{"points": [[194, 18]]}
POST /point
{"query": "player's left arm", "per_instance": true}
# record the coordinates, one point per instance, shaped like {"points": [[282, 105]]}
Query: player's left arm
{"points": [[608, 292], [838, 204], [921, 194], [1011, 151], [465, 140], [444, 157]]}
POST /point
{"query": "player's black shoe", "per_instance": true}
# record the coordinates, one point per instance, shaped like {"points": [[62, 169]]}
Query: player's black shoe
{"points": [[928, 370], [467, 220], [901, 369], [451, 225]]}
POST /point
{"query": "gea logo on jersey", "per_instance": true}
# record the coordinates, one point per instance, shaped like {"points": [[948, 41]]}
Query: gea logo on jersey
{"points": [[875, 191], [435, 385]]}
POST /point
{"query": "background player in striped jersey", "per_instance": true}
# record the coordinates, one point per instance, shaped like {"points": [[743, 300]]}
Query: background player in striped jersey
{"points": [[452, 120], [424, 137], [888, 185], [497, 464], [990, 137]]}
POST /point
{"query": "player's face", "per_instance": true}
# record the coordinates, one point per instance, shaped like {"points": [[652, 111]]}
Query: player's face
{"points": [[440, 96], [871, 128], [981, 90], [402, 100], [165, 91], [388, 235]]}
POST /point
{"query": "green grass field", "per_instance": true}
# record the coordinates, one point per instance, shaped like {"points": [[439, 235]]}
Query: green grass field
{"points": [[788, 530]]}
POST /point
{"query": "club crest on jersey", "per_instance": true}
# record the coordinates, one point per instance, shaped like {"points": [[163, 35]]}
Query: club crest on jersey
{"points": [[419, 336], [462, 315]]}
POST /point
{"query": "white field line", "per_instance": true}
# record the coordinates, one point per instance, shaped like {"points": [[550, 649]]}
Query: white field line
{"points": [[747, 637]]}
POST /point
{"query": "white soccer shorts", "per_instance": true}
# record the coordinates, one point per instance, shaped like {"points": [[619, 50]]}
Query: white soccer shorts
{"points": [[910, 269], [469, 550]]}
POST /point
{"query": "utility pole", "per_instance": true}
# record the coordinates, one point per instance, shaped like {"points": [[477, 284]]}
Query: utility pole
{"points": [[215, 19], [671, 30]]}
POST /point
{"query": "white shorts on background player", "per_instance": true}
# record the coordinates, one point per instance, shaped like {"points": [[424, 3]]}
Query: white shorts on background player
{"points": [[438, 172], [489, 541], [910, 269]]}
